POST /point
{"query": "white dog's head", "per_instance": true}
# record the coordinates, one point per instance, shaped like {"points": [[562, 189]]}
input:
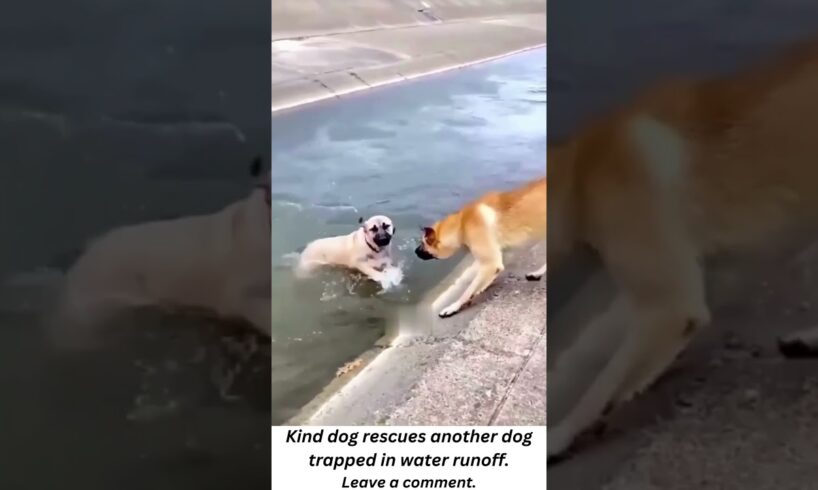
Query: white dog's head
{"points": [[378, 230]]}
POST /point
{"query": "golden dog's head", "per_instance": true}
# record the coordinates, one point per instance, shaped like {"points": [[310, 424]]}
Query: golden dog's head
{"points": [[437, 243]]}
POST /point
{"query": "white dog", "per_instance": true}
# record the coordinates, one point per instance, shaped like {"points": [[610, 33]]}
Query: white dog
{"points": [[219, 262], [368, 249]]}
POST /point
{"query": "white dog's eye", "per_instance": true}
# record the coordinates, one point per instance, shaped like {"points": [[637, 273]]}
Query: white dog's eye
{"points": [[373, 229], [385, 226]]}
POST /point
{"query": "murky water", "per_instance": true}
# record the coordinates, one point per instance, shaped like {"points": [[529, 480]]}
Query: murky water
{"points": [[415, 152]]}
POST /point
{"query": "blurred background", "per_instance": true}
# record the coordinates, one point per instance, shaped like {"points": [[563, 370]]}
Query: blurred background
{"points": [[112, 114], [731, 412]]}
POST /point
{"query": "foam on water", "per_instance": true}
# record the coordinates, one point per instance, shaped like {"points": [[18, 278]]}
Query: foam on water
{"points": [[392, 277]]}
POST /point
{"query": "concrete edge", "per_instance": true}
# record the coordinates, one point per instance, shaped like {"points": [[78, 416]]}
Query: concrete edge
{"points": [[328, 94], [308, 411]]}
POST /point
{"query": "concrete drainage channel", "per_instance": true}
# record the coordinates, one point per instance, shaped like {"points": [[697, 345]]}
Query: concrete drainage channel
{"points": [[486, 365]]}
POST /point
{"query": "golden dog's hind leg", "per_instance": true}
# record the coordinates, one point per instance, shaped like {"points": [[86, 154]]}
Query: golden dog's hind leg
{"points": [[537, 274]]}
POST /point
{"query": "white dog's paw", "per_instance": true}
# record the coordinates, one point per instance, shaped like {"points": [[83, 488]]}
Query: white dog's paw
{"points": [[559, 441], [450, 310]]}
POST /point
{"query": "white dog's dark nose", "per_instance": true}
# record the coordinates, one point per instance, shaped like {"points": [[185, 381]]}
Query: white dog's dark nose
{"points": [[382, 239]]}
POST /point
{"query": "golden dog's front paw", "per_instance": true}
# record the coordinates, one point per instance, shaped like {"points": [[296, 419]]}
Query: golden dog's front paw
{"points": [[438, 303], [450, 310]]}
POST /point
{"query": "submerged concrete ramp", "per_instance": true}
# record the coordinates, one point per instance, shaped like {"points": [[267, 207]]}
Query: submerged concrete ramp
{"points": [[325, 48]]}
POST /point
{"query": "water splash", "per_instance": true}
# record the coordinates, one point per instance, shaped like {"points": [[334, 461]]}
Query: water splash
{"points": [[392, 278]]}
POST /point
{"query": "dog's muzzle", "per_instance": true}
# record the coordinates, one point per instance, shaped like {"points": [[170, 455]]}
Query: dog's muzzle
{"points": [[423, 254], [382, 240]]}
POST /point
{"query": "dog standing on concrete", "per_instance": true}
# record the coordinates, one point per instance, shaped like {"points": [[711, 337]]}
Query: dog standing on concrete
{"points": [[685, 171], [368, 249], [487, 226], [219, 262]]}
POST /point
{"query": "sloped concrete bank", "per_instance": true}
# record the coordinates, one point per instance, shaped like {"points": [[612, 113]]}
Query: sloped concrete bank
{"points": [[321, 51], [293, 19]]}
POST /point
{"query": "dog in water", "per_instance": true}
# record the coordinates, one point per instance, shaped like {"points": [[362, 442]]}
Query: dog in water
{"points": [[368, 249], [687, 171], [218, 262], [487, 226]]}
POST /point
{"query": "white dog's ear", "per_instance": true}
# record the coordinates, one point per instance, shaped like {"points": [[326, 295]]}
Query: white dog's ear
{"points": [[360, 220]]}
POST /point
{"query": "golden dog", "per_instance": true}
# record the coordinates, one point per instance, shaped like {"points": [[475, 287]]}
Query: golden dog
{"points": [[689, 169], [487, 226]]}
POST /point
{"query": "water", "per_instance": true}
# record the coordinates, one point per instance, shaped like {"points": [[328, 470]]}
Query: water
{"points": [[415, 152]]}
